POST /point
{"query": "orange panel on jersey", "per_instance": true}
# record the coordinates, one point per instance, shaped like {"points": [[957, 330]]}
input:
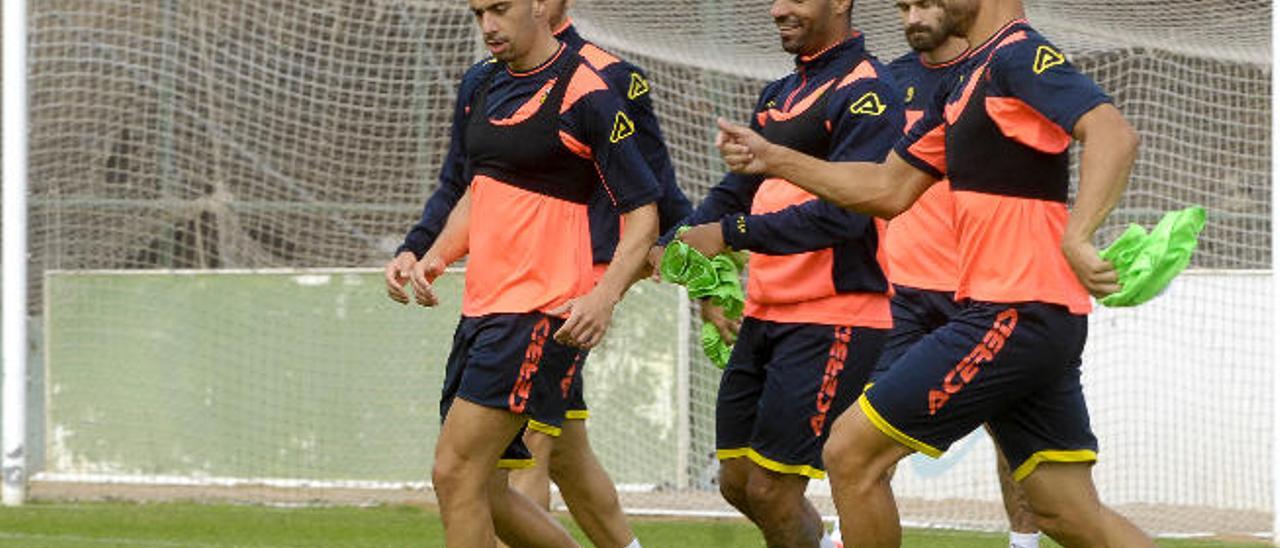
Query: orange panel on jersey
{"points": [[598, 58], [1011, 251], [528, 251], [1024, 124], [583, 82], [799, 287], [529, 108], [854, 309], [921, 245], [932, 148]]}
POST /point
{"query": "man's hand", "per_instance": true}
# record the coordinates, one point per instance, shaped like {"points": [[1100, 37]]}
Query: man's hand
{"points": [[1097, 275], [741, 148], [655, 262], [423, 274], [589, 317], [707, 238], [715, 316], [397, 274]]}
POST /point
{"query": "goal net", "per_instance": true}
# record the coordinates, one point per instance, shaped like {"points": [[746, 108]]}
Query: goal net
{"points": [[224, 138]]}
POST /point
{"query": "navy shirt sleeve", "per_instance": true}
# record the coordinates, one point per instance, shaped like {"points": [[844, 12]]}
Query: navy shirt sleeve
{"points": [[1038, 74], [866, 119], [628, 80], [454, 177], [599, 119]]}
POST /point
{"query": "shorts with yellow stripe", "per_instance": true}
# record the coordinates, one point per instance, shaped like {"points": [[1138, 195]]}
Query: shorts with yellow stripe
{"points": [[509, 362], [784, 385], [1015, 367], [575, 405]]}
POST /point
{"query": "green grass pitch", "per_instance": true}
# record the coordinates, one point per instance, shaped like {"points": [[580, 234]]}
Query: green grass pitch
{"points": [[42, 525]]}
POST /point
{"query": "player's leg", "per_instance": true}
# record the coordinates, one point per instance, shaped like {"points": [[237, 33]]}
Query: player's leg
{"points": [[587, 489], [1067, 508], [941, 389], [815, 373], [534, 482], [735, 473], [859, 459], [737, 403], [916, 313], [783, 514], [471, 441], [1023, 532], [498, 371], [1048, 442], [519, 521]]}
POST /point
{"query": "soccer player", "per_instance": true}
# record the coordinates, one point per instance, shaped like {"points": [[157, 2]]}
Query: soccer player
{"points": [[817, 308], [920, 245], [1011, 356], [563, 453], [538, 130]]}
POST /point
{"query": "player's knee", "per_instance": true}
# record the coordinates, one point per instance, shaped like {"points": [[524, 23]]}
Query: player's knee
{"points": [[1063, 522], [842, 457], [444, 476], [449, 472], [767, 492]]}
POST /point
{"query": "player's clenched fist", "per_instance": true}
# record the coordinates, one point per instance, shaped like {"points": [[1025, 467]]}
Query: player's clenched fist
{"points": [[741, 148]]}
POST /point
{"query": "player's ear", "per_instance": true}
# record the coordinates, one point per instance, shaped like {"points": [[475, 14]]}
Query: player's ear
{"points": [[844, 7]]}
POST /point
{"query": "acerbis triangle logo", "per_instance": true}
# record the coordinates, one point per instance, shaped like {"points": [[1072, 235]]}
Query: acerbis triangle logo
{"points": [[639, 86], [1047, 58], [623, 127], [869, 104]]}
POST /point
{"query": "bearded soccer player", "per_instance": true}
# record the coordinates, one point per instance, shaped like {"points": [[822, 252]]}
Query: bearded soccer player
{"points": [[817, 308], [1011, 357], [921, 244], [563, 453], [540, 130]]}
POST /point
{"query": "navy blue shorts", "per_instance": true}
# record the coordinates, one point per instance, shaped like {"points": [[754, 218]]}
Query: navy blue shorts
{"points": [[916, 313], [511, 362], [784, 385], [1013, 366], [570, 388]]}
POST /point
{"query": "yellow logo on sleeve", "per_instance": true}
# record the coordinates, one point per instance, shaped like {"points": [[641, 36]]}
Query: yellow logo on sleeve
{"points": [[1047, 58], [623, 127], [639, 86], [869, 104], [911, 94]]}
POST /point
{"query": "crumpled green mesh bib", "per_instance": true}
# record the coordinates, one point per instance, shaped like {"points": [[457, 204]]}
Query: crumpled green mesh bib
{"points": [[716, 278], [1146, 263]]}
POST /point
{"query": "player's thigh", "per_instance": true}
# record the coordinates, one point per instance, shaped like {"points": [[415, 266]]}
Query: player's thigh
{"points": [[964, 374], [1050, 424], [816, 373], [474, 433], [741, 385], [916, 313]]}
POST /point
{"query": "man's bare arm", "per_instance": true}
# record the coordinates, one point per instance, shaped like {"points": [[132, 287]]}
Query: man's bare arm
{"points": [[880, 190]]}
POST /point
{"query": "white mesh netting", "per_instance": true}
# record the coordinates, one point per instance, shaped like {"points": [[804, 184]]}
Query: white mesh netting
{"points": [[247, 134]]}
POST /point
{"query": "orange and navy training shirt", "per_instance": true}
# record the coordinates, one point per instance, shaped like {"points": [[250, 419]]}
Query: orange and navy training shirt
{"points": [[920, 244], [538, 145], [811, 261], [1000, 135], [626, 80]]}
